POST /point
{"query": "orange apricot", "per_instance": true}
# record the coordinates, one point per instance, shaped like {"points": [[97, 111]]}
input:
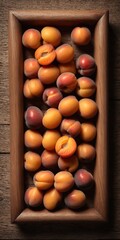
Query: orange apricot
{"points": [[52, 199], [88, 132], [50, 138], [48, 74], [68, 164], [81, 35], [51, 35], [86, 152], [33, 88], [65, 146], [31, 38], [52, 118], [33, 197], [64, 53], [45, 54], [63, 181], [31, 67], [88, 108], [43, 180], [32, 161], [33, 139], [68, 105]]}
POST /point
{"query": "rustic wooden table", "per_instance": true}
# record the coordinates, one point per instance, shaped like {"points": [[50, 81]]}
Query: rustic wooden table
{"points": [[62, 230]]}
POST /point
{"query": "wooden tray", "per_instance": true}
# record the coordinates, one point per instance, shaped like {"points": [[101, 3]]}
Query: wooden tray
{"points": [[18, 20]]}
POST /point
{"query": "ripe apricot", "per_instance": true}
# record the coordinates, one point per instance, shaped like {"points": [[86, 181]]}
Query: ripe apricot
{"points": [[85, 152], [85, 87], [49, 159], [81, 35], [63, 181], [52, 199], [33, 88], [86, 65], [32, 139], [43, 180], [33, 117], [51, 35], [52, 96], [68, 105], [68, 164], [52, 118], [64, 53], [32, 161], [45, 54], [33, 197], [83, 179], [67, 82], [48, 74], [31, 38], [50, 138], [31, 67], [88, 132], [88, 108], [65, 146], [71, 127], [75, 199]]}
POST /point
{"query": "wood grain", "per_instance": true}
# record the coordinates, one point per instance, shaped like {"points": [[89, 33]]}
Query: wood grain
{"points": [[4, 138], [70, 230]]}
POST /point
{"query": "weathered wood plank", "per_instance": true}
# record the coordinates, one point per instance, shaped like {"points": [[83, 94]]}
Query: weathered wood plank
{"points": [[63, 230], [4, 138]]}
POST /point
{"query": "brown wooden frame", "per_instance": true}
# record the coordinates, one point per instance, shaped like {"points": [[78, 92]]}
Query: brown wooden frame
{"points": [[16, 18]]}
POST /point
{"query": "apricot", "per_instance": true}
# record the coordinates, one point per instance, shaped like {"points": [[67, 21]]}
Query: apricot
{"points": [[67, 67], [33, 88], [64, 53], [31, 67], [67, 82], [32, 139], [45, 54], [68, 164], [88, 108], [68, 106], [31, 38], [43, 180], [71, 127], [33, 197], [81, 35], [65, 146], [52, 118], [52, 96], [33, 117], [49, 159], [50, 138], [52, 199], [48, 74], [86, 87], [86, 152], [75, 199], [83, 178], [85, 65], [32, 161], [51, 35], [88, 132], [63, 181]]}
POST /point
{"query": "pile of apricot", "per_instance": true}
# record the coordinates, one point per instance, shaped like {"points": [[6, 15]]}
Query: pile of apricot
{"points": [[60, 114]]}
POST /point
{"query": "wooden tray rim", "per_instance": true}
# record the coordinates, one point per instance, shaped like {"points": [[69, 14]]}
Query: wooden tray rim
{"points": [[21, 215]]}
